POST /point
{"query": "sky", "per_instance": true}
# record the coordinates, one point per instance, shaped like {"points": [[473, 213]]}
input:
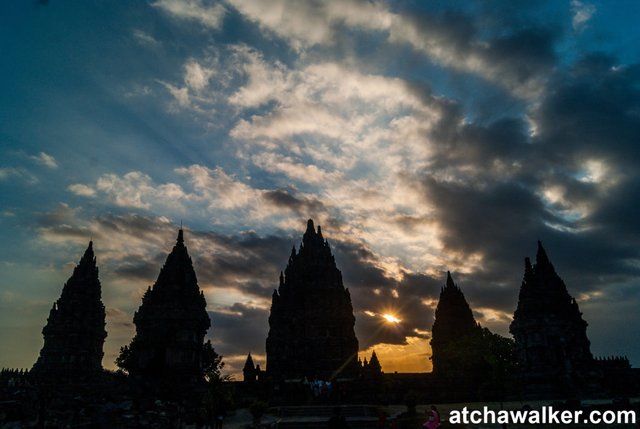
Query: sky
{"points": [[424, 136]]}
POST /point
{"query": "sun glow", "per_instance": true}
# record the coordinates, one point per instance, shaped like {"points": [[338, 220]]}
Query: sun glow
{"points": [[391, 318]]}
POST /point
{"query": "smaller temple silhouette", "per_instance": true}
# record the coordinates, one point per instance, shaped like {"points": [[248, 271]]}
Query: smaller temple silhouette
{"points": [[311, 326], [550, 334], [371, 369], [170, 324], [250, 371], [75, 331]]}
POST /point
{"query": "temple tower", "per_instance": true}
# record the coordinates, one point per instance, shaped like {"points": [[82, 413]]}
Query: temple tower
{"points": [[170, 324], [549, 331], [249, 370], [311, 326], [371, 369], [75, 331], [453, 322]]}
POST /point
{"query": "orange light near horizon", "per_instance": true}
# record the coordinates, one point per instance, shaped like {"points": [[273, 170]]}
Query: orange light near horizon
{"points": [[391, 318]]}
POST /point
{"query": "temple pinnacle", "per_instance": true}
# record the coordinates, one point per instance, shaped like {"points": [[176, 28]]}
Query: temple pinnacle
{"points": [[450, 282], [541, 255]]}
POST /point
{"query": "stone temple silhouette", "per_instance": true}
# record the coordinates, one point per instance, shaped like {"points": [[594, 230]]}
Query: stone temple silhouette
{"points": [[453, 321], [311, 326], [75, 331], [170, 324], [550, 333]]}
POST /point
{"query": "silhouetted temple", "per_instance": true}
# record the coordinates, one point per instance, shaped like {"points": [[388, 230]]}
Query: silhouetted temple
{"points": [[250, 371], [372, 367], [171, 323], [550, 333], [75, 330], [453, 321], [311, 326]]}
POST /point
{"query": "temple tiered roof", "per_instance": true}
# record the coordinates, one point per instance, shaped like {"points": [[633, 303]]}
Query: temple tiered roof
{"points": [[75, 331]]}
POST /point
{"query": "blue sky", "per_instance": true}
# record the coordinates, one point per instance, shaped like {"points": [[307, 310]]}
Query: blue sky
{"points": [[422, 136]]}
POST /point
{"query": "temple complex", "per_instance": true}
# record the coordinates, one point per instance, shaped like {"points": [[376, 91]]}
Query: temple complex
{"points": [[170, 324], [311, 326], [171, 374], [550, 333], [75, 331]]}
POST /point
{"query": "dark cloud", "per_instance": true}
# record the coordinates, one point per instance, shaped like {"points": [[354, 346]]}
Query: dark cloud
{"points": [[488, 219], [133, 224], [247, 261], [287, 198], [62, 215], [512, 55], [592, 111], [141, 269], [488, 186], [524, 54], [239, 329]]}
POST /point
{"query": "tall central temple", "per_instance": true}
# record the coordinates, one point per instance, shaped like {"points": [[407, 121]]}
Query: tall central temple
{"points": [[311, 326]]}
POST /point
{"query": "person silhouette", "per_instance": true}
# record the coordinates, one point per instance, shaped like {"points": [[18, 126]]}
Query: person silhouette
{"points": [[433, 419]]}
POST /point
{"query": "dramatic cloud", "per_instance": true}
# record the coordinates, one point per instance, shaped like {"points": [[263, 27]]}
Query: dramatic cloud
{"points": [[519, 59], [423, 137]]}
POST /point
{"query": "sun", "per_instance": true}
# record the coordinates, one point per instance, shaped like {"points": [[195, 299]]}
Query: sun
{"points": [[391, 318]]}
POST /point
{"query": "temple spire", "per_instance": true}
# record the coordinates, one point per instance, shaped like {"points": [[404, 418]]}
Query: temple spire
{"points": [[89, 251], [249, 362], [450, 282], [88, 258], [180, 239], [541, 255]]}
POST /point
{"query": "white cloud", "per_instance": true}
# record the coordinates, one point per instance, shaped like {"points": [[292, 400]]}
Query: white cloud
{"points": [[7, 173], [146, 39], [304, 173], [209, 15], [306, 24], [197, 76], [582, 13], [218, 189], [134, 189], [82, 190], [45, 159], [344, 117], [180, 95], [194, 94]]}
